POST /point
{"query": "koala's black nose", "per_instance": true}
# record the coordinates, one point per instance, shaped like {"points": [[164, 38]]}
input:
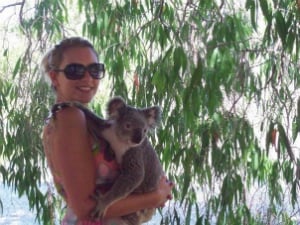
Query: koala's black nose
{"points": [[137, 136]]}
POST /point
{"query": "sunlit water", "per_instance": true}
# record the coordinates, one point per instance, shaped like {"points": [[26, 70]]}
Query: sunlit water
{"points": [[16, 210]]}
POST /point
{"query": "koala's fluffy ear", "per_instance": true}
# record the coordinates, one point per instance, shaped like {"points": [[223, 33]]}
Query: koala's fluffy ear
{"points": [[113, 107], [153, 115]]}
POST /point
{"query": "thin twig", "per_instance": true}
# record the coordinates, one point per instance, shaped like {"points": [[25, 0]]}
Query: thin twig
{"points": [[11, 5]]}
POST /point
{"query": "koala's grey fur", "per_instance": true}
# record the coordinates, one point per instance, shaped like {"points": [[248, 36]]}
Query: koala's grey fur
{"points": [[126, 130]]}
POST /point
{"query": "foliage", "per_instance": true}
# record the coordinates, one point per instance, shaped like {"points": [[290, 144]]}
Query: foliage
{"points": [[225, 76]]}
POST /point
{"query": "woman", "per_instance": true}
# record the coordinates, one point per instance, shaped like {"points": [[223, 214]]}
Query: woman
{"points": [[77, 159]]}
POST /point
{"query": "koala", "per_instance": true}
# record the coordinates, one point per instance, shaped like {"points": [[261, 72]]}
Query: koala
{"points": [[140, 167], [126, 129]]}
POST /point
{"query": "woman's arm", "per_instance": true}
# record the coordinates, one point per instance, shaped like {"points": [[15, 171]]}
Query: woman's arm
{"points": [[72, 157]]}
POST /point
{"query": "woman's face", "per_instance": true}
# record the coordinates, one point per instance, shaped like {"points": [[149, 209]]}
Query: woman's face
{"points": [[82, 90]]}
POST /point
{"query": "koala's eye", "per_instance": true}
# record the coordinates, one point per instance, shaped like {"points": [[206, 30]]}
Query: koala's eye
{"points": [[145, 130]]}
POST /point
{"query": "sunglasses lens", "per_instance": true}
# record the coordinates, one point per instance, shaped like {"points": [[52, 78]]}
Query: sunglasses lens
{"points": [[96, 70], [74, 71]]}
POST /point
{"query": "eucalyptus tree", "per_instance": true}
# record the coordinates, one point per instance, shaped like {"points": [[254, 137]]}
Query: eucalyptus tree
{"points": [[225, 73]]}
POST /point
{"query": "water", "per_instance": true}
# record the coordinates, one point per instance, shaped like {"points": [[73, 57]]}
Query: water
{"points": [[15, 209]]}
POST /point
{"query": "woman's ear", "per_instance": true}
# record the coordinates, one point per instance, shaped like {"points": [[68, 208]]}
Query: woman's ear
{"points": [[53, 77]]}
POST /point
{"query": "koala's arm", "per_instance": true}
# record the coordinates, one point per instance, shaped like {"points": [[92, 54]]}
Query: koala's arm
{"points": [[131, 176], [140, 171], [132, 172]]}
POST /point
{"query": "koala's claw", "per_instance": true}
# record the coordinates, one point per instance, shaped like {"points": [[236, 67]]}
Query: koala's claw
{"points": [[100, 208]]}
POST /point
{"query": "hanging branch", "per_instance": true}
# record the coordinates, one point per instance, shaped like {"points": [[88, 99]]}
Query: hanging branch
{"points": [[11, 5]]}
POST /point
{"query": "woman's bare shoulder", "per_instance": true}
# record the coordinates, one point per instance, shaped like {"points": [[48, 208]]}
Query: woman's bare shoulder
{"points": [[69, 117], [64, 119], [70, 128], [70, 136]]}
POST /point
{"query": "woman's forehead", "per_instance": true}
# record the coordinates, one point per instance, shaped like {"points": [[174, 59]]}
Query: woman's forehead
{"points": [[79, 54]]}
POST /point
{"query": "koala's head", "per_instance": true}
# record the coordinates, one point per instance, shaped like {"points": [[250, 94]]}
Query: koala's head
{"points": [[132, 124]]}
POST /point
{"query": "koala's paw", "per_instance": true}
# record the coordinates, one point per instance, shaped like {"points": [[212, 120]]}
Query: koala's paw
{"points": [[99, 211]]}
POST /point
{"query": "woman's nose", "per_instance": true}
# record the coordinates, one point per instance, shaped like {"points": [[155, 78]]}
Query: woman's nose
{"points": [[87, 75]]}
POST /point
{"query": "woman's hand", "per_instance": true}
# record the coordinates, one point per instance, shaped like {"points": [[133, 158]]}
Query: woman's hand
{"points": [[164, 191]]}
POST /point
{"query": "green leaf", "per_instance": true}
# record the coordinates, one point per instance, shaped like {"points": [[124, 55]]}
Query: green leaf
{"points": [[294, 192], [288, 172], [197, 74], [159, 81], [188, 214], [285, 141], [250, 5], [186, 184], [180, 60], [265, 9], [281, 27], [17, 67]]}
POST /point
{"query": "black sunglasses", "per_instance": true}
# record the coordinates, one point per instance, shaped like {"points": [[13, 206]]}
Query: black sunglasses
{"points": [[76, 71]]}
